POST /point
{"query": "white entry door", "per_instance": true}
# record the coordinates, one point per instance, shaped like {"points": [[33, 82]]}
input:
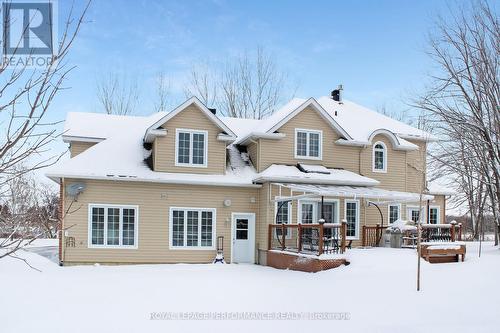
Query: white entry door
{"points": [[243, 234]]}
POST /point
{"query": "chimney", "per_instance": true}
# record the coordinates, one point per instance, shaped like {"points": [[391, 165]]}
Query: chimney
{"points": [[214, 110], [336, 94]]}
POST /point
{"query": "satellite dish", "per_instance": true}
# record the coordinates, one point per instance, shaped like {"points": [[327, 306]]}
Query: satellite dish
{"points": [[73, 190]]}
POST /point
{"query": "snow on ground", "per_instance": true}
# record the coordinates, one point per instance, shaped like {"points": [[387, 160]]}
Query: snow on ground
{"points": [[377, 290]]}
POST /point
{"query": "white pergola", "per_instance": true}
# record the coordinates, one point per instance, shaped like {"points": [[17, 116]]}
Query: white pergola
{"points": [[371, 194]]}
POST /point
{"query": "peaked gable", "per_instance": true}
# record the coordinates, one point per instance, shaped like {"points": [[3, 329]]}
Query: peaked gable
{"points": [[311, 102], [152, 130]]}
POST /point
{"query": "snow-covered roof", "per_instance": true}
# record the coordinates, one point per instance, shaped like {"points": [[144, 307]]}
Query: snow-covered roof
{"points": [[95, 127], [121, 157], [360, 122], [119, 153], [290, 173], [356, 124], [439, 189]]}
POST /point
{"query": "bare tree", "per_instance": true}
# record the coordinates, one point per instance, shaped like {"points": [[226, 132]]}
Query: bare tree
{"points": [[117, 94], [203, 83], [16, 214], [463, 99], [162, 93], [26, 96], [251, 86]]}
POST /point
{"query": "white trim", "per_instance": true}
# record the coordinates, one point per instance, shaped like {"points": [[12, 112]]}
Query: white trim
{"points": [[299, 210], [55, 177], [290, 208], [311, 102], [121, 207], [194, 248], [320, 143], [289, 218], [358, 209], [71, 138], [315, 202], [197, 102], [260, 135], [225, 137], [389, 212], [384, 160], [422, 216], [205, 152], [233, 236], [438, 213]]}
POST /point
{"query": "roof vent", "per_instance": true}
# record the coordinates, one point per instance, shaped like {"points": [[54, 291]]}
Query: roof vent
{"points": [[336, 94], [214, 110]]}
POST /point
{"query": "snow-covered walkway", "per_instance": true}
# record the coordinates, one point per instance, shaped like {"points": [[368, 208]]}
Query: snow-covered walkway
{"points": [[377, 291]]}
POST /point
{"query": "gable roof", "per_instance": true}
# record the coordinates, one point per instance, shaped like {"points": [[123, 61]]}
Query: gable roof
{"points": [[96, 127], [182, 107], [361, 122], [266, 127]]}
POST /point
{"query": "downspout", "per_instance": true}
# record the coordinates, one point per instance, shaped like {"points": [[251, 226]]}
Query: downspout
{"points": [[61, 221]]}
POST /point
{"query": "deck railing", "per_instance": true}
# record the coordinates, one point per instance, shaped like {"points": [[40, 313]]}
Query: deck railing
{"points": [[314, 239], [371, 235], [449, 232]]}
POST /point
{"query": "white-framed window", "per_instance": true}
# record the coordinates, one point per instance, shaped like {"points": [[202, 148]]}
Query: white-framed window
{"points": [[191, 147], [434, 215], [394, 213], [351, 208], [413, 214], [379, 157], [310, 211], [283, 215], [113, 226], [192, 228], [308, 144]]}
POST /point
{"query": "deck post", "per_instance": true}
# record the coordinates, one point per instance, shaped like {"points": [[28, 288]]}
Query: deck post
{"points": [[320, 241], [269, 236], [452, 232], [283, 236], [299, 226], [460, 232], [363, 236], [377, 230], [343, 230]]}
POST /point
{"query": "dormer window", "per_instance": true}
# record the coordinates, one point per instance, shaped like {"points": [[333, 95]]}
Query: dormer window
{"points": [[379, 157], [191, 148], [308, 144]]}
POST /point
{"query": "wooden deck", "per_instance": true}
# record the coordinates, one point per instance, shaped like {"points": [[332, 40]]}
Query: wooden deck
{"points": [[306, 247]]}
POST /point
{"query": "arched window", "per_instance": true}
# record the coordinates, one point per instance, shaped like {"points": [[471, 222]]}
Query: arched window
{"points": [[379, 157]]}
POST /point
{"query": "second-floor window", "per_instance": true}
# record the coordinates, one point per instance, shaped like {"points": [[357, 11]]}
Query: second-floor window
{"points": [[379, 157], [191, 148], [308, 144]]}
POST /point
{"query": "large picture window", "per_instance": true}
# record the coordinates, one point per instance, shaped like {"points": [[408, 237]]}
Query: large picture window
{"points": [[308, 144], [192, 228], [191, 148], [113, 226], [352, 217]]}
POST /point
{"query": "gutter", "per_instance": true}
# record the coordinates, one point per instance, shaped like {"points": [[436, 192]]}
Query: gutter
{"points": [[71, 138], [55, 177]]}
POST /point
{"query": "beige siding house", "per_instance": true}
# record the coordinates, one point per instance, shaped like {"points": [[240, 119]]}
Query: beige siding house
{"points": [[182, 186]]}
